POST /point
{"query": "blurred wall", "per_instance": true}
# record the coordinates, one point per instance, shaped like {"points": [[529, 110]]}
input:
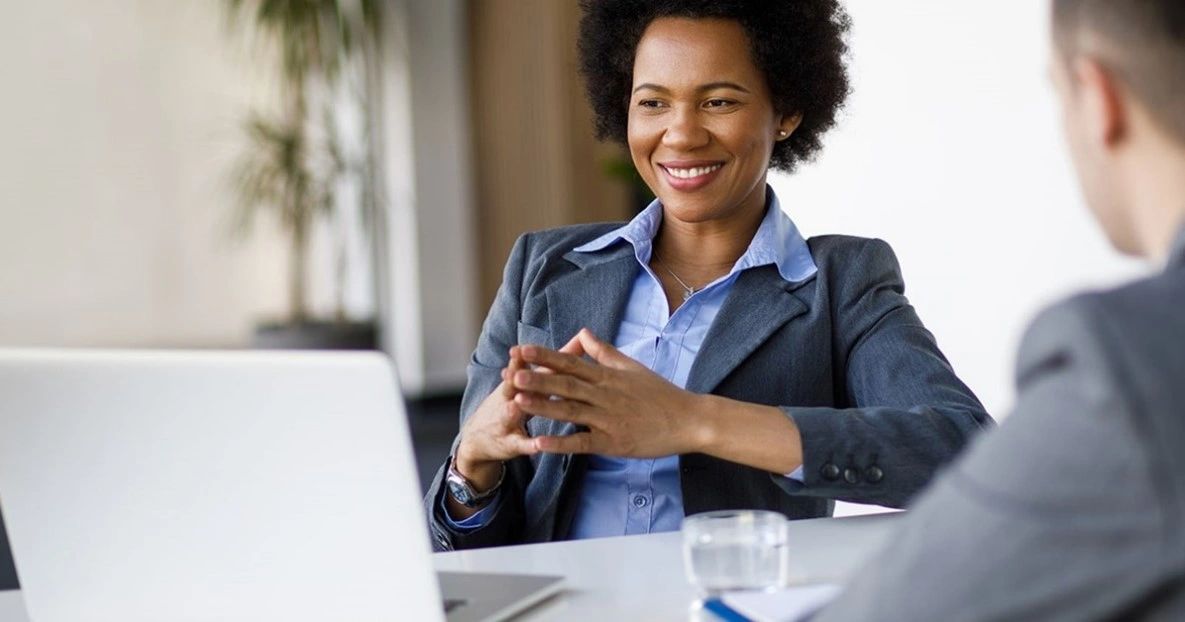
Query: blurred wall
{"points": [[951, 151], [537, 164], [428, 277], [119, 122]]}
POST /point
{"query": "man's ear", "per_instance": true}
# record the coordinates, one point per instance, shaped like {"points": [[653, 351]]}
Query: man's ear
{"points": [[1102, 102]]}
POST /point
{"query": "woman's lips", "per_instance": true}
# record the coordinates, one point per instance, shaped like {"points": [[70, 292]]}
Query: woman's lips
{"points": [[692, 176]]}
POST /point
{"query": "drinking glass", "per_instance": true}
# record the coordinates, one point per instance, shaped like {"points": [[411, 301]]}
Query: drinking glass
{"points": [[735, 550]]}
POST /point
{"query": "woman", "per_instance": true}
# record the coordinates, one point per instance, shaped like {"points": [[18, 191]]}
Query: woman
{"points": [[707, 356]]}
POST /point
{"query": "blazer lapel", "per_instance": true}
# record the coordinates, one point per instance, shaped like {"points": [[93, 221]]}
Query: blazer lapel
{"points": [[593, 296], [760, 303]]}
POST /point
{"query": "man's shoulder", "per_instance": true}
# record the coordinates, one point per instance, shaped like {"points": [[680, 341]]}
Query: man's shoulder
{"points": [[1147, 305], [1116, 318], [1118, 337]]}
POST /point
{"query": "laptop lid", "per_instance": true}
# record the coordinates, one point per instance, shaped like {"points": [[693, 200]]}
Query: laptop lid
{"points": [[199, 486]]}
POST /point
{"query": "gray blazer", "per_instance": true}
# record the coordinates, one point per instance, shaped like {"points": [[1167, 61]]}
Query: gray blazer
{"points": [[879, 408], [1075, 508]]}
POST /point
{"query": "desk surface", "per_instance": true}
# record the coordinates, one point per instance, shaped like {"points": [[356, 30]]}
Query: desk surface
{"points": [[638, 577], [641, 577]]}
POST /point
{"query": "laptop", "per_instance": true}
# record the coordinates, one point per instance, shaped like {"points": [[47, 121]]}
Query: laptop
{"points": [[222, 486]]}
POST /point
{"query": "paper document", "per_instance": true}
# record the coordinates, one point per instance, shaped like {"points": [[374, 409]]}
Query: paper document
{"points": [[789, 605]]}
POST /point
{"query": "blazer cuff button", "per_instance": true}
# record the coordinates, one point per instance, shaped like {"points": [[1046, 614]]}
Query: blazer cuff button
{"points": [[830, 472], [851, 476], [874, 474]]}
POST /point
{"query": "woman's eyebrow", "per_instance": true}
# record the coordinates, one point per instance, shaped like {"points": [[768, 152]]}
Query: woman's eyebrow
{"points": [[711, 86], [652, 87]]}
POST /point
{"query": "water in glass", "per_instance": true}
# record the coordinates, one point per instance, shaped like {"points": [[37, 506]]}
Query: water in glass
{"points": [[728, 551]]}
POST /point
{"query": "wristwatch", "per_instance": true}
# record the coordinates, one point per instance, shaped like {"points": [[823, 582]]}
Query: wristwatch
{"points": [[462, 489]]}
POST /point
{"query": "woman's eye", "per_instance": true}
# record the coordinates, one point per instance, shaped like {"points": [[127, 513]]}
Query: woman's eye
{"points": [[718, 103], [650, 103]]}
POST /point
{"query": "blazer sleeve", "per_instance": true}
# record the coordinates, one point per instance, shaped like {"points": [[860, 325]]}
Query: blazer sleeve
{"points": [[910, 414], [498, 334], [1055, 516]]}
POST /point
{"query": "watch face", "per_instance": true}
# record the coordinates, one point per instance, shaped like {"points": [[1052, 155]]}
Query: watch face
{"points": [[460, 492]]}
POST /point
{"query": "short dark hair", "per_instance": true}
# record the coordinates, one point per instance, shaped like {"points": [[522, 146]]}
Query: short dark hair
{"points": [[1142, 42], [799, 46]]}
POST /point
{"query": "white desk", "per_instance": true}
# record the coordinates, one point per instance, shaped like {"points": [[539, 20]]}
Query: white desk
{"points": [[638, 577], [641, 577]]}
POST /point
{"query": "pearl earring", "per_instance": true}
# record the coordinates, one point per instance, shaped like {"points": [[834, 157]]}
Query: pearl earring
{"points": [[783, 133]]}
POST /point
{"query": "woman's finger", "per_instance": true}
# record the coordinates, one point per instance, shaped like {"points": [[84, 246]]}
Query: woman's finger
{"points": [[578, 443], [515, 364], [568, 411], [561, 362], [562, 385], [602, 352], [521, 444], [573, 347], [513, 416]]}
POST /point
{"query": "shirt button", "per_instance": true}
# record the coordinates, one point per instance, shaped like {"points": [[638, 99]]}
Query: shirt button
{"points": [[640, 501]]}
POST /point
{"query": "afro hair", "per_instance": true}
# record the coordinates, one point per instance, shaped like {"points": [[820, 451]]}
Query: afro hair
{"points": [[799, 46]]}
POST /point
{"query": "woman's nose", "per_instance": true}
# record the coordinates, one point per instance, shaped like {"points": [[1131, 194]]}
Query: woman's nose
{"points": [[684, 132]]}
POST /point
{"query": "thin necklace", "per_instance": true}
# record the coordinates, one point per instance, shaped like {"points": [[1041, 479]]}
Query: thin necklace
{"points": [[688, 290]]}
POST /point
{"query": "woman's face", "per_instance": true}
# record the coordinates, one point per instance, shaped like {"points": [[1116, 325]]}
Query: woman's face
{"points": [[701, 122]]}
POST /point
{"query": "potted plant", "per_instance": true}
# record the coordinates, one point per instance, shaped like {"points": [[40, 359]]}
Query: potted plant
{"points": [[294, 165]]}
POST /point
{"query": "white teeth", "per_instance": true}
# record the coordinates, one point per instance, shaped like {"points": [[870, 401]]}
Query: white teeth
{"points": [[690, 173]]}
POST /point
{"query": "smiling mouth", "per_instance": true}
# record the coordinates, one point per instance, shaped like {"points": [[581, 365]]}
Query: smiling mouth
{"points": [[690, 178], [691, 173]]}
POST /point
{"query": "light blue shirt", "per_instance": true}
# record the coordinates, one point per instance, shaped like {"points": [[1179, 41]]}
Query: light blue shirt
{"points": [[625, 496]]}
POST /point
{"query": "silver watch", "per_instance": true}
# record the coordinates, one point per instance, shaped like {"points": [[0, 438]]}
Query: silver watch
{"points": [[462, 489]]}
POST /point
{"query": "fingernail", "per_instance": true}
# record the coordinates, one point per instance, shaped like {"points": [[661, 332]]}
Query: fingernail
{"points": [[528, 351]]}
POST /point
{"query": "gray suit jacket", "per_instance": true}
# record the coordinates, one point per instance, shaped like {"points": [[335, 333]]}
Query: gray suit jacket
{"points": [[878, 406], [1075, 508]]}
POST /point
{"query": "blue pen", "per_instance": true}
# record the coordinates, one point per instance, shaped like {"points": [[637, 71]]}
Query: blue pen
{"points": [[723, 611]]}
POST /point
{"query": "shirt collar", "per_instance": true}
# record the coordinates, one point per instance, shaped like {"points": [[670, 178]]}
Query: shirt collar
{"points": [[776, 242], [639, 232]]}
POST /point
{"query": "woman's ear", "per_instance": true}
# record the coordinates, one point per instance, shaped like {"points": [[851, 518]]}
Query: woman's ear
{"points": [[787, 124]]}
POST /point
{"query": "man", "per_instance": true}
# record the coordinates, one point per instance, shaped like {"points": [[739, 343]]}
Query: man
{"points": [[1075, 508]]}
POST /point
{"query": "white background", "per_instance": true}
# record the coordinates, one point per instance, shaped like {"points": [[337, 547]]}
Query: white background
{"points": [[950, 149]]}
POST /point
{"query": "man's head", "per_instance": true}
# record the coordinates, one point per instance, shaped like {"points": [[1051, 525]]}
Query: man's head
{"points": [[1119, 68]]}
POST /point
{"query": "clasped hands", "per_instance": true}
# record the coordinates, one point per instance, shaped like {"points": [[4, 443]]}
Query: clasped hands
{"points": [[628, 410]]}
